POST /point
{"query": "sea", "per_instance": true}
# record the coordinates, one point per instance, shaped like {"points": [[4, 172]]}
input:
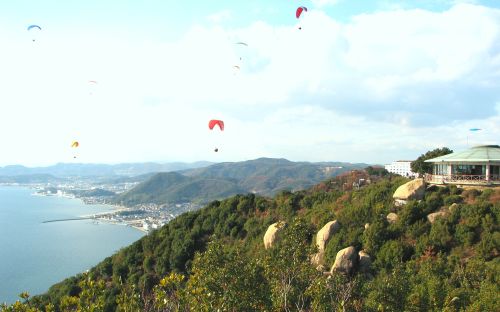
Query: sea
{"points": [[36, 255]]}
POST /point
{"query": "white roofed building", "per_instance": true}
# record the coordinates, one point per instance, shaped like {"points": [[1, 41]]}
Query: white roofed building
{"points": [[479, 165]]}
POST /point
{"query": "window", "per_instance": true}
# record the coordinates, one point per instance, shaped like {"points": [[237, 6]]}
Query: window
{"points": [[440, 169], [468, 169]]}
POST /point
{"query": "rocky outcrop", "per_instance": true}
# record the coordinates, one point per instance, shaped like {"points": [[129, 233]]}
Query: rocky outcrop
{"points": [[365, 262], [414, 189], [272, 234], [325, 234], [453, 207], [318, 261], [433, 216], [392, 217], [345, 261], [322, 239]]}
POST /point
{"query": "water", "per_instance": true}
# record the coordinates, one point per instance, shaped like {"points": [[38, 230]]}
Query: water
{"points": [[36, 255]]}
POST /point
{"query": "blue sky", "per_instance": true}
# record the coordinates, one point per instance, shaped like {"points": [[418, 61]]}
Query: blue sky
{"points": [[363, 81]]}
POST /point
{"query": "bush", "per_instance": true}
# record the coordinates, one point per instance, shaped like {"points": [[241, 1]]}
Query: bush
{"points": [[452, 199]]}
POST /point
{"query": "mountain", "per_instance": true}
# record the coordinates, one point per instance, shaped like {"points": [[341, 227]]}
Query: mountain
{"points": [[263, 176], [214, 258], [89, 170], [30, 178], [173, 187]]}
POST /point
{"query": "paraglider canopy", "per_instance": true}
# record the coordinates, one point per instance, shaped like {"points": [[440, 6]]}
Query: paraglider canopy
{"points": [[299, 11], [214, 122], [474, 129], [34, 26], [75, 144]]}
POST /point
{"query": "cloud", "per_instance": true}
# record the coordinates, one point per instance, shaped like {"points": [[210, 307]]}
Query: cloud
{"points": [[384, 85], [322, 3], [220, 16]]}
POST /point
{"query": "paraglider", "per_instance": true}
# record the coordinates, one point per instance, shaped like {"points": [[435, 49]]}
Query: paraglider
{"points": [[236, 69], [92, 85], [299, 12], [242, 48], [472, 130], [212, 124], [32, 28], [74, 145]]}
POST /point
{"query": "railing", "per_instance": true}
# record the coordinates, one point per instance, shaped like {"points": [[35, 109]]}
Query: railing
{"points": [[462, 178]]}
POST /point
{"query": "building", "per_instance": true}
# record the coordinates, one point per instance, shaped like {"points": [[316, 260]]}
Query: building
{"points": [[479, 165], [401, 167]]}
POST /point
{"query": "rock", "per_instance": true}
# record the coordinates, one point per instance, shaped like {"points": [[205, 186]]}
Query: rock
{"points": [[414, 189], [392, 217], [318, 259], [365, 262], [453, 207], [345, 261], [367, 225], [399, 202], [433, 216], [272, 234], [325, 234]]}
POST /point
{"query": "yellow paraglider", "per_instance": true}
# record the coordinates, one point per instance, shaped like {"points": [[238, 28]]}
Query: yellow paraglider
{"points": [[75, 144]]}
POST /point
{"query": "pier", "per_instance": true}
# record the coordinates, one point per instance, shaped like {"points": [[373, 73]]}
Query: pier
{"points": [[68, 219]]}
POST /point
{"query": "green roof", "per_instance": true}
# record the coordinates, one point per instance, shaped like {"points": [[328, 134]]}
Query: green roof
{"points": [[481, 153]]}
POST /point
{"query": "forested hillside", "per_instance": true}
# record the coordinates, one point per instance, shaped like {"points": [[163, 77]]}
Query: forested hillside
{"points": [[214, 259], [263, 176]]}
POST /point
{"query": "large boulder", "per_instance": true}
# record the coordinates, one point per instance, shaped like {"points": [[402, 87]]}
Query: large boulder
{"points": [[272, 234], [345, 261], [392, 217], [414, 189], [325, 234], [365, 262], [433, 216]]}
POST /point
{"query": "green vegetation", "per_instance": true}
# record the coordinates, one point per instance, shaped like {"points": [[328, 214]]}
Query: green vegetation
{"points": [[264, 176], [214, 260], [421, 167]]}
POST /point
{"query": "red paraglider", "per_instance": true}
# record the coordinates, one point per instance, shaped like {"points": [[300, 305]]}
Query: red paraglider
{"points": [[300, 10], [214, 122]]}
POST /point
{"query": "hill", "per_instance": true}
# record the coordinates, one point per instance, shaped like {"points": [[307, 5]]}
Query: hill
{"points": [[30, 178], [99, 170], [214, 258], [263, 176], [173, 187]]}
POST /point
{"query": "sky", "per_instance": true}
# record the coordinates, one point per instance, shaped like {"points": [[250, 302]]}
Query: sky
{"points": [[350, 80]]}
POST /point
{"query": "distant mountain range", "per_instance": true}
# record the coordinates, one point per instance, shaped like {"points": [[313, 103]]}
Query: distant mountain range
{"points": [[264, 176], [96, 170]]}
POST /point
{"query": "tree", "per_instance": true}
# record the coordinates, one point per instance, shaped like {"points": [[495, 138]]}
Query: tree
{"points": [[421, 167], [288, 268]]}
